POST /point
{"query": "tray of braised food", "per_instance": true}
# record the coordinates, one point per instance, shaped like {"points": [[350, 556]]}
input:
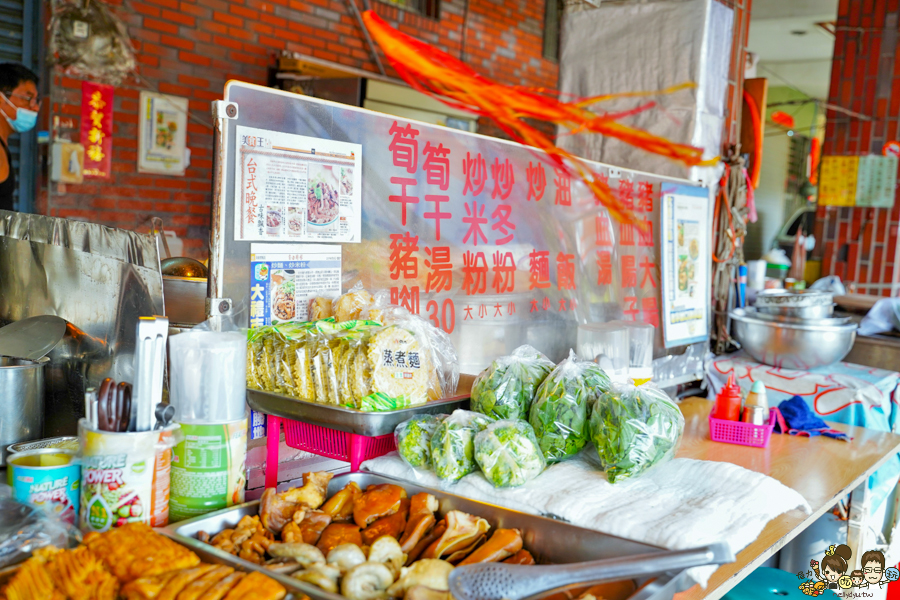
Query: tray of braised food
{"points": [[136, 563], [363, 536]]}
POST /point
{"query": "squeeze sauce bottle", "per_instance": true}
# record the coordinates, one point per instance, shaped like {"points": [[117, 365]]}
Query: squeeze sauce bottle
{"points": [[728, 402]]}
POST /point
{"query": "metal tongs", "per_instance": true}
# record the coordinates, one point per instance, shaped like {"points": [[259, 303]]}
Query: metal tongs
{"points": [[499, 581], [149, 365]]}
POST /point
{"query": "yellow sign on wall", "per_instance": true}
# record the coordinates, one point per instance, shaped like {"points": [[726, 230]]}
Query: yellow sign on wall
{"points": [[837, 180]]}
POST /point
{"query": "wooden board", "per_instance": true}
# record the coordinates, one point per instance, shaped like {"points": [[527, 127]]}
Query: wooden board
{"points": [[821, 469]]}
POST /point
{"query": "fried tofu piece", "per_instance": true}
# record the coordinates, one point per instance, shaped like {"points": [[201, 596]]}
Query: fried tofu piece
{"points": [[135, 550], [257, 586], [222, 587], [197, 587]]}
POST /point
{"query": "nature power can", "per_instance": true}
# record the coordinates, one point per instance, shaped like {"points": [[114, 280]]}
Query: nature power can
{"points": [[208, 468], [48, 478], [125, 477]]}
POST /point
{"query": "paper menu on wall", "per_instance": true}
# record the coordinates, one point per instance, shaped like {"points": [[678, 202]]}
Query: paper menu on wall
{"points": [[285, 277], [296, 188]]}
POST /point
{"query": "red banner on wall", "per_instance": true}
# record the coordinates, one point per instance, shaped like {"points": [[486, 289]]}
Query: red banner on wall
{"points": [[96, 129]]}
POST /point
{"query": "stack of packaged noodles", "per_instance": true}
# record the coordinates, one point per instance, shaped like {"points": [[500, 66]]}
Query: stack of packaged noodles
{"points": [[396, 362]]}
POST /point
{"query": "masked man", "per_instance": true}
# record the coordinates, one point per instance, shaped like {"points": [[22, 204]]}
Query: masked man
{"points": [[19, 105]]}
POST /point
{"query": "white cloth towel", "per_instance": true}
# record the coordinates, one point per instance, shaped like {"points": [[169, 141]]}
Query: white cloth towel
{"points": [[683, 503]]}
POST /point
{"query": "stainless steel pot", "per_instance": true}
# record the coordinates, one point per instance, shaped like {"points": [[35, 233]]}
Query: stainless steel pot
{"points": [[791, 345], [821, 311], [21, 401]]}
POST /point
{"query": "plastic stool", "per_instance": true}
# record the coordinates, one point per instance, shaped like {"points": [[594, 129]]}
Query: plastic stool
{"points": [[766, 583]]}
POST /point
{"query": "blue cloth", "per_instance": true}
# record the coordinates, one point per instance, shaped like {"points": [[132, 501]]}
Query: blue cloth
{"points": [[801, 420]]}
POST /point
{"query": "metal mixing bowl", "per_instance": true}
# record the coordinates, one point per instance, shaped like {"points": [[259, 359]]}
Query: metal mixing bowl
{"points": [[792, 345], [822, 311]]}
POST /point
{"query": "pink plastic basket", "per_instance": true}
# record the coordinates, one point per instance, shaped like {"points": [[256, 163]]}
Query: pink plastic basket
{"points": [[339, 445], [744, 434], [322, 441]]}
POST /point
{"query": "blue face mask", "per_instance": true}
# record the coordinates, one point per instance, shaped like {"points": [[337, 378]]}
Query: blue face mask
{"points": [[25, 119]]}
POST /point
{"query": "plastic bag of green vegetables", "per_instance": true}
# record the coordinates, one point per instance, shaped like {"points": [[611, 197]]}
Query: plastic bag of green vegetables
{"points": [[453, 444], [413, 438], [506, 388], [508, 453], [633, 429], [559, 413]]}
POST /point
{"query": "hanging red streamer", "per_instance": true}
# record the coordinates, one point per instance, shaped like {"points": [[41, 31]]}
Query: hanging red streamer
{"points": [[441, 76]]}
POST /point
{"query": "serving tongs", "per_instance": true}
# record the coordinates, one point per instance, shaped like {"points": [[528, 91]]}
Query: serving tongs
{"points": [[499, 581], [149, 363]]}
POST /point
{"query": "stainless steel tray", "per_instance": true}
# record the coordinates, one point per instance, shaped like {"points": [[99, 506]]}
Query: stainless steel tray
{"points": [[354, 421], [549, 540], [297, 590]]}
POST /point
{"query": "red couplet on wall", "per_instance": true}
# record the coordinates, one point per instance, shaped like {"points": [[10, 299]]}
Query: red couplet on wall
{"points": [[96, 129]]}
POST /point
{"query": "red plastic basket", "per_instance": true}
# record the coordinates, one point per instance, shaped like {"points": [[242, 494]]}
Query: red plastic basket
{"points": [[744, 434], [339, 445]]}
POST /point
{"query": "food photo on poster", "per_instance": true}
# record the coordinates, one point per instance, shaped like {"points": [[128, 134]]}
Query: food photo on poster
{"points": [[439, 322]]}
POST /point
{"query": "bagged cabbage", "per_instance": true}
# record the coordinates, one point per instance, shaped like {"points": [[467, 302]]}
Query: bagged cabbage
{"points": [[506, 388], [508, 453], [453, 444], [559, 413], [633, 429], [413, 439]]}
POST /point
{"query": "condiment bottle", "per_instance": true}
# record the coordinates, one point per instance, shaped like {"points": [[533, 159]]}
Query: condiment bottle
{"points": [[728, 402], [757, 396]]}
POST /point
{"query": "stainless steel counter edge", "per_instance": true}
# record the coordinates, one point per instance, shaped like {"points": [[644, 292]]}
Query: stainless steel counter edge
{"points": [[370, 424]]}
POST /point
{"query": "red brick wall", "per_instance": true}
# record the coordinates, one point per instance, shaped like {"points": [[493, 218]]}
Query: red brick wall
{"points": [[191, 48], [860, 244]]}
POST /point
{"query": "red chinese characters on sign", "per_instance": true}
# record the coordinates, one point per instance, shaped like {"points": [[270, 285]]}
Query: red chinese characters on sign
{"points": [[407, 297], [97, 129], [475, 219], [565, 271], [626, 193], [475, 271], [631, 311], [475, 170], [629, 271], [604, 232], [437, 214], [604, 267], [539, 269], [645, 233], [504, 178], [402, 261], [504, 272], [250, 191], [503, 224], [404, 199], [648, 270], [437, 166], [441, 276], [651, 311], [563, 188], [626, 234], [404, 147], [645, 197], [537, 181]]}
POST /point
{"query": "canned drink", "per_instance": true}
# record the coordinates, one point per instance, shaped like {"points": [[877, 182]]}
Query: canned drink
{"points": [[49, 478]]}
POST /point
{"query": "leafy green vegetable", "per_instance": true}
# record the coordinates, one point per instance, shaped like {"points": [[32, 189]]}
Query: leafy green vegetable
{"points": [[414, 439], [560, 410], [633, 429], [508, 453], [453, 444], [506, 388]]}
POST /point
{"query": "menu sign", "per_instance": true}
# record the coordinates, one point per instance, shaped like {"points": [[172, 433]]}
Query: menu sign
{"points": [[296, 188], [685, 264]]}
